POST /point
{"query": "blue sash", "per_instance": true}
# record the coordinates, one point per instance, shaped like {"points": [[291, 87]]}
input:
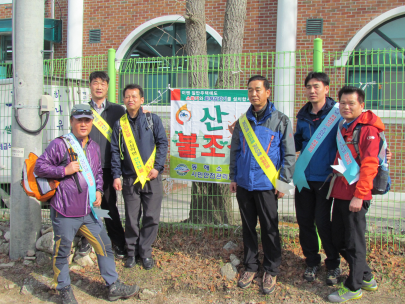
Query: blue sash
{"points": [[85, 168], [352, 168], [316, 140]]}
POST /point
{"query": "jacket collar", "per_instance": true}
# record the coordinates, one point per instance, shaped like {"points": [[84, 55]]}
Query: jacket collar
{"points": [[367, 118], [140, 113], [305, 112], [106, 103], [270, 108]]}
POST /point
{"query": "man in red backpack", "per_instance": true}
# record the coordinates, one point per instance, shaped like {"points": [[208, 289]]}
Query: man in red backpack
{"points": [[351, 188]]}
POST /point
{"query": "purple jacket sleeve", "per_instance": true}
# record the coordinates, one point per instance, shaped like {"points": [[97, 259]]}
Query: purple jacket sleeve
{"points": [[47, 165]]}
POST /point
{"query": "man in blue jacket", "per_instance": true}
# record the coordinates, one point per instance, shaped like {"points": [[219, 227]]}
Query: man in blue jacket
{"points": [[256, 195], [312, 207], [139, 147], [72, 206]]}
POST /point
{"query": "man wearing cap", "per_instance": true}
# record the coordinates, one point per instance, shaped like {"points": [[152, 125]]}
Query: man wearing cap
{"points": [[73, 207], [105, 115]]}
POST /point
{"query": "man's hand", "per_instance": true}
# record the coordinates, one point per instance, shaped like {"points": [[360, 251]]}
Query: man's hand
{"points": [[145, 111], [279, 194], [233, 186], [389, 155], [153, 174], [117, 184], [97, 203], [355, 204], [72, 168]]}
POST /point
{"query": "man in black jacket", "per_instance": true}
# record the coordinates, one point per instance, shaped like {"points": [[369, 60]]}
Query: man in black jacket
{"points": [[105, 115], [139, 147]]}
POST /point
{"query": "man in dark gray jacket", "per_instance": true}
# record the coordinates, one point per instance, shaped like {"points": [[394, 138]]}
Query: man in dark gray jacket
{"points": [[106, 115], [139, 147], [256, 195]]}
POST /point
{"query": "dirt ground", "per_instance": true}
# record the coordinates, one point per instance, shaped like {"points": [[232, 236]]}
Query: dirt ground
{"points": [[187, 270]]}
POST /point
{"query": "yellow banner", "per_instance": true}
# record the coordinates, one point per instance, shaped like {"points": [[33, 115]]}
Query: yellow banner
{"points": [[142, 171], [258, 152], [102, 125]]}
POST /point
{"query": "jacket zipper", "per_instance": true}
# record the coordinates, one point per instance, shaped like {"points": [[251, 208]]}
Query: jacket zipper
{"points": [[272, 137]]}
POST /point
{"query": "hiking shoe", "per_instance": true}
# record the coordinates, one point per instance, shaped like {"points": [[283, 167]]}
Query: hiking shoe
{"points": [[333, 276], [310, 273], [246, 279], [85, 247], [269, 283], [369, 285], [344, 294], [67, 296], [119, 290]]}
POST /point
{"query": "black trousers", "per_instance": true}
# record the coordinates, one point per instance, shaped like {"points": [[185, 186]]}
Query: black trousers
{"points": [[262, 204], [146, 202], [109, 202], [348, 230], [312, 208]]}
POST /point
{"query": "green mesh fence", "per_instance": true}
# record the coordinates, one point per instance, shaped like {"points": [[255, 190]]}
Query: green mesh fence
{"points": [[380, 73], [6, 101]]}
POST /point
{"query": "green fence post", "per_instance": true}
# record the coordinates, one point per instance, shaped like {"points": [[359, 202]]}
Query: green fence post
{"points": [[318, 55], [111, 74]]}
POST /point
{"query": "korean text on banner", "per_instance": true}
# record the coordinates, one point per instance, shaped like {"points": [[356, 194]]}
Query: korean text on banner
{"points": [[202, 123]]}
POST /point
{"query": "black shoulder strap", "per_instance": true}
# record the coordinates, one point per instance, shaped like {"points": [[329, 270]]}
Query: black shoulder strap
{"points": [[73, 157], [356, 137], [149, 120]]}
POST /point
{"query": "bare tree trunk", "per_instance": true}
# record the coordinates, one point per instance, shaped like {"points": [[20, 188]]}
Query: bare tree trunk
{"points": [[196, 43], [210, 202], [232, 43]]}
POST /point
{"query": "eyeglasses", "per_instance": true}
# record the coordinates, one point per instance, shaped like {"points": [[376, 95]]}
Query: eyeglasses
{"points": [[81, 112]]}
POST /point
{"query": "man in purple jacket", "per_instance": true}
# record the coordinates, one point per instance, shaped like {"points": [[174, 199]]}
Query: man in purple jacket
{"points": [[73, 205]]}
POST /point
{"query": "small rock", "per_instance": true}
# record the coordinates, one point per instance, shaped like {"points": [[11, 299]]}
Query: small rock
{"points": [[30, 258], [11, 286], [229, 271], [146, 294], [27, 262], [45, 243], [43, 258], [230, 246], [46, 230], [5, 248], [30, 253], [70, 258], [83, 260], [7, 236], [27, 289], [11, 264], [75, 267], [234, 260], [78, 283]]}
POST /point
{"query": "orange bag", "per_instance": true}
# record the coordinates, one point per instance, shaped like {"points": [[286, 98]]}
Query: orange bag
{"points": [[41, 188]]}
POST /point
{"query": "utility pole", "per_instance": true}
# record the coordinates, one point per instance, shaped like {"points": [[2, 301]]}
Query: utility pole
{"points": [[28, 42]]}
